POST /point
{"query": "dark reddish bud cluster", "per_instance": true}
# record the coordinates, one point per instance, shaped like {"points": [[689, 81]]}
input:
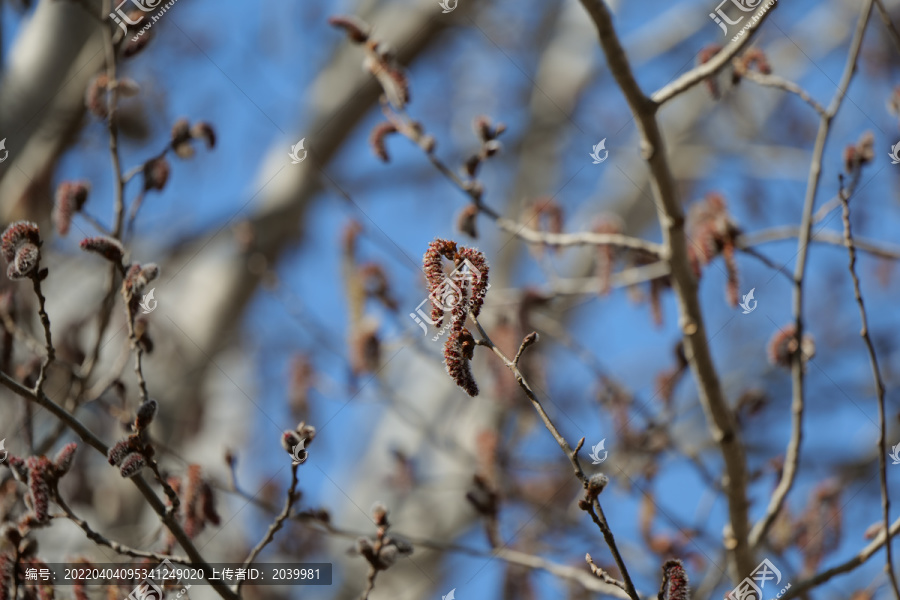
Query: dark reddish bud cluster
{"points": [[145, 415], [21, 243], [380, 60], [384, 550], [859, 154], [675, 582], [39, 487], [606, 254], [712, 231], [156, 173], [109, 248], [548, 214], [302, 381], [457, 354], [41, 475], [365, 349], [467, 221], [183, 133], [893, 102], [136, 279], [141, 334], [377, 139], [460, 292], [487, 134], [70, 199], [199, 503], [784, 345], [357, 30], [376, 284], [95, 96], [62, 462], [434, 271], [706, 54], [130, 455], [752, 58], [486, 130], [413, 130], [303, 435]]}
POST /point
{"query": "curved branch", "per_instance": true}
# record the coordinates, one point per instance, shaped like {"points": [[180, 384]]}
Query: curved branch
{"points": [[711, 67], [792, 457], [719, 416]]}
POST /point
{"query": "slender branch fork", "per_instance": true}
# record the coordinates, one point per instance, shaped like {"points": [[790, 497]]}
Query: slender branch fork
{"points": [[155, 503], [719, 416], [792, 457], [594, 508], [879, 387], [289, 501]]}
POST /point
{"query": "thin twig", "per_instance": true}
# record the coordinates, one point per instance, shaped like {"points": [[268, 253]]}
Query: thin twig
{"points": [[774, 81], [801, 588], [792, 456], [606, 577], [138, 358], [150, 496], [720, 418], [174, 502], [879, 388], [106, 305], [95, 222], [571, 454], [114, 545], [712, 66], [886, 19], [505, 554], [289, 501], [45, 322], [776, 234], [520, 230]]}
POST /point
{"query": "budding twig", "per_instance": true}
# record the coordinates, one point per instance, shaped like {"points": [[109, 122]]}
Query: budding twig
{"points": [[292, 496], [592, 507], [879, 387], [114, 545]]}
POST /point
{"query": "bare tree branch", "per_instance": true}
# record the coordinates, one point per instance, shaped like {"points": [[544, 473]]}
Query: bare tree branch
{"points": [[719, 416], [714, 65], [792, 457], [879, 389]]}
